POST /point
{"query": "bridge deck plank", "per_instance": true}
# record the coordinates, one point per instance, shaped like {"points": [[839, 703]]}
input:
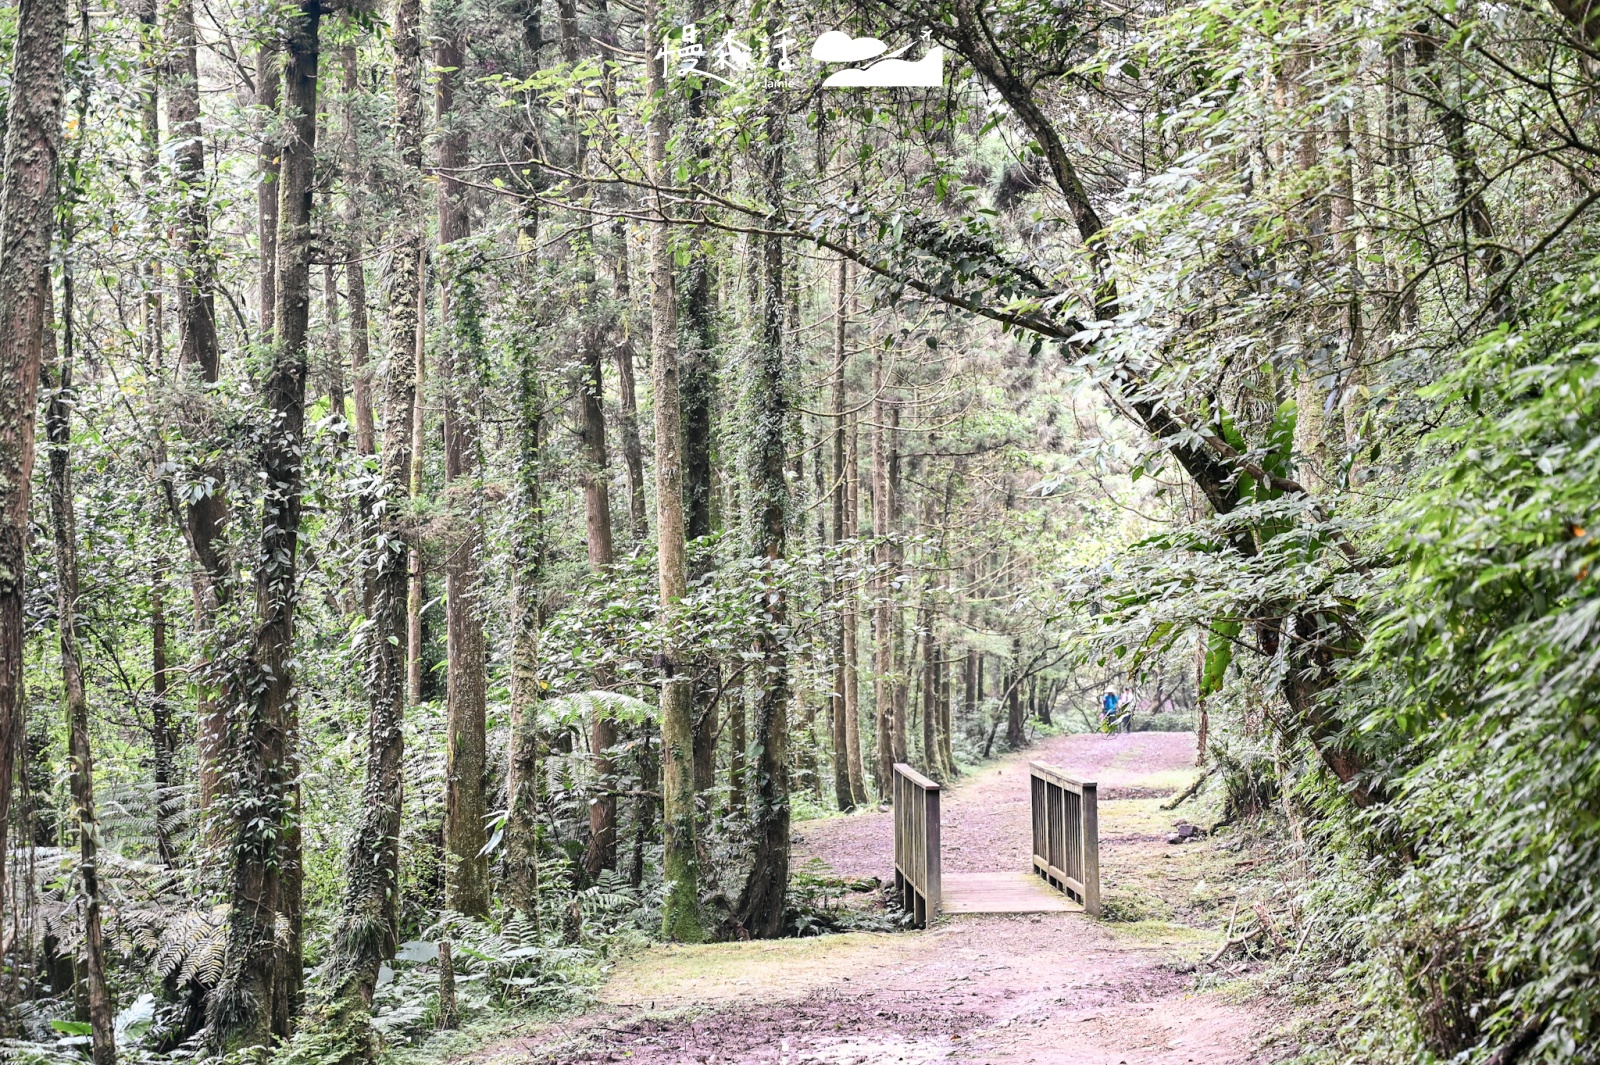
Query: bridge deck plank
{"points": [[1002, 893]]}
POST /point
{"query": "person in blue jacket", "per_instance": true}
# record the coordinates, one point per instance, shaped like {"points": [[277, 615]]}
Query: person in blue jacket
{"points": [[1108, 711]]}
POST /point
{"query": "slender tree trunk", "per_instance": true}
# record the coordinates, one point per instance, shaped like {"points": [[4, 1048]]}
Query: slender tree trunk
{"points": [[601, 852], [1016, 739], [27, 220], [365, 932], [466, 759], [697, 383], [415, 575], [843, 793], [206, 512], [900, 654], [759, 910], [681, 918], [163, 739], [882, 638], [930, 689], [970, 680], [523, 784], [946, 723], [522, 779], [260, 986], [628, 424], [269, 81], [355, 273], [852, 625], [63, 524]]}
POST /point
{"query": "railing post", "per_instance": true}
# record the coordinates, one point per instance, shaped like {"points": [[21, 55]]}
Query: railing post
{"points": [[1066, 834], [932, 885], [1091, 850], [916, 843]]}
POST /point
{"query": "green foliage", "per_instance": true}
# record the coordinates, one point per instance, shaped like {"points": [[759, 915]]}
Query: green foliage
{"points": [[1487, 659]]}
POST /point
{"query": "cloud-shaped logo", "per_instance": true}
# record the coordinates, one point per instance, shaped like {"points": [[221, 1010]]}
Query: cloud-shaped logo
{"points": [[924, 73], [836, 47]]}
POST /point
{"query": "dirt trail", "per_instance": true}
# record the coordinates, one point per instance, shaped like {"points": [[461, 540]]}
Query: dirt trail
{"points": [[996, 990]]}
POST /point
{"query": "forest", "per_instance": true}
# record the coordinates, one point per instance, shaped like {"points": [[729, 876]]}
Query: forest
{"points": [[491, 474]]}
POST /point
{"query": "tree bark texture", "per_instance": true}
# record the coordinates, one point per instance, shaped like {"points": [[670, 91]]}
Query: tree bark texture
{"points": [[681, 917], [852, 624], [27, 220], [759, 910], [64, 529], [365, 931], [466, 758], [843, 794], [355, 272], [260, 985], [601, 851]]}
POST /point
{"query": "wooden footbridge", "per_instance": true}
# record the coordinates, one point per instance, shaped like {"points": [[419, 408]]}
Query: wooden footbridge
{"points": [[1065, 872]]}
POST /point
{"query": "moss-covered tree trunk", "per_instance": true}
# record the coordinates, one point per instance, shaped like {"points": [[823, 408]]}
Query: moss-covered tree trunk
{"points": [[206, 510], [461, 307], [260, 987], [365, 931], [759, 910], [681, 916]]}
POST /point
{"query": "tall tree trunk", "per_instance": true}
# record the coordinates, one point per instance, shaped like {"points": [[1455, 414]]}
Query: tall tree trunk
{"points": [[843, 793], [466, 760], [355, 272], [1016, 738], [269, 81], [415, 569], [206, 512], [946, 715], [601, 852], [852, 624], [930, 689], [900, 654], [628, 424], [523, 784], [883, 554], [63, 526], [260, 987], [759, 910], [27, 220], [697, 383], [163, 738], [522, 779], [969, 683], [681, 917], [365, 932]]}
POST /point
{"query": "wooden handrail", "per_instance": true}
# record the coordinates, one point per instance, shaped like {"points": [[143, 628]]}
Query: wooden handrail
{"points": [[1066, 833], [916, 843]]}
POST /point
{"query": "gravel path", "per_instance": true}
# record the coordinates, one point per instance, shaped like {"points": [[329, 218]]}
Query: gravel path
{"points": [[979, 990], [985, 819]]}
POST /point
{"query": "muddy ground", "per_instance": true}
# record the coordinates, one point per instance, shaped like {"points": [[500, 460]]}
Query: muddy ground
{"points": [[997, 990]]}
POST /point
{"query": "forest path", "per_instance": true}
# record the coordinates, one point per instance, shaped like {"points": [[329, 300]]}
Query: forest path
{"points": [[991, 989]]}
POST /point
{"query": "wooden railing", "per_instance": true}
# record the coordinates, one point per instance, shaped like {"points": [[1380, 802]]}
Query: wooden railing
{"points": [[1066, 834], [916, 843]]}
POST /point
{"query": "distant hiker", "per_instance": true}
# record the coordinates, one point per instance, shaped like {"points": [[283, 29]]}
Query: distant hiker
{"points": [[1125, 709], [1108, 711]]}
